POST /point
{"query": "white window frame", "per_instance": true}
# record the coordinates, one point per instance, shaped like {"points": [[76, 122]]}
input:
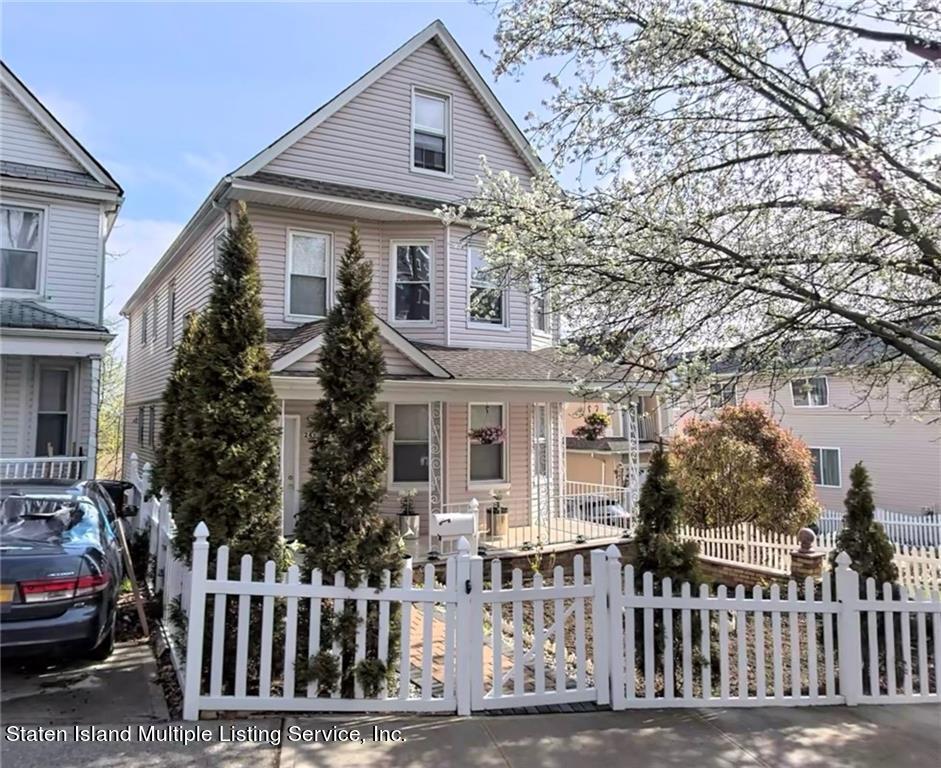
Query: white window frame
{"points": [[171, 315], [839, 466], [722, 386], [288, 265], [504, 298], [43, 211], [405, 485], [70, 408], [503, 482], [145, 325], [141, 424], [434, 93], [393, 269], [826, 385]]}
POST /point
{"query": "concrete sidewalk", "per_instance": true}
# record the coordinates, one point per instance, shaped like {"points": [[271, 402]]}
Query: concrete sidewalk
{"points": [[779, 737], [808, 737]]}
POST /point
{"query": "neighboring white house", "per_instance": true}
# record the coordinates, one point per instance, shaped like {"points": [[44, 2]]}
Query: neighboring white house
{"points": [[462, 351], [57, 207]]}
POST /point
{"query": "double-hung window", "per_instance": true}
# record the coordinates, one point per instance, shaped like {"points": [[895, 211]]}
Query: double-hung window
{"points": [[52, 412], [20, 248], [410, 443], [156, 313], [152, 425], [412, 289], [430, 124], [811, 392], [144, 326], [140, 426], [308, 262], [721, 394], [540, 305], [487, 297], [825, 463], [487, 460], [171, 314]]}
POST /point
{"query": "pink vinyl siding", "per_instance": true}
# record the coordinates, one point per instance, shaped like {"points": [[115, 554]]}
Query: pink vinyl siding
{"points": [[368, 142]]}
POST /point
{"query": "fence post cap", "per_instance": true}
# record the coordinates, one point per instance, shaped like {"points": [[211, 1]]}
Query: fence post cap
{"points": [[843, 560], [463, 546], [473, 504], [613, 552], [201, 531]]}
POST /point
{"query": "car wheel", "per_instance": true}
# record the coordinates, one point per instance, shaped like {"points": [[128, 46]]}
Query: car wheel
{"points": [[106, 647]]}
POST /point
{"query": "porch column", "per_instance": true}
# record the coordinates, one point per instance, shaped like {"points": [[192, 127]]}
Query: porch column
{"points": [[91, 460], [436, 457]]}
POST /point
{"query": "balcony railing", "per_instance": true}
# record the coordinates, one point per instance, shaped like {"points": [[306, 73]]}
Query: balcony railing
{"points": [[43, 468]]}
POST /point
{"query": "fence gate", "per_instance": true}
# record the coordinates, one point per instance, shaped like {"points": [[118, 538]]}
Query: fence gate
{"points": [[538, 643]]}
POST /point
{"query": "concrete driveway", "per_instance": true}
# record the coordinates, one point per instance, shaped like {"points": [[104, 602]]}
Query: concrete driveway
{"points": [[121, 689]]}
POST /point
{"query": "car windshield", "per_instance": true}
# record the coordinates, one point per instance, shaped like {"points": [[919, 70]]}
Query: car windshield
{"points": [[49, 521]]}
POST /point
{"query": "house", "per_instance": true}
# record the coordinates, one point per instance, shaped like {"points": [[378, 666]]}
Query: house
{"points": [[463, 352], [57, 207], [619, 454]]}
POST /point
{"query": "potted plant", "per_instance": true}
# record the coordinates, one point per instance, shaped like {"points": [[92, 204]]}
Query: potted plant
{"points": [[499, 516], [409, 521], [487, 435], [595, 424]]}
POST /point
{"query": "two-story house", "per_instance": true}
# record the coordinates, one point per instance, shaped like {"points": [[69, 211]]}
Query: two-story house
{"points": [[57, 207], [463, 352]]}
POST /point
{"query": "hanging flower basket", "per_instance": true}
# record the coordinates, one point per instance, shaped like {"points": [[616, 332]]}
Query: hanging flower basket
{"points": [[593, 428], [487, 435]]}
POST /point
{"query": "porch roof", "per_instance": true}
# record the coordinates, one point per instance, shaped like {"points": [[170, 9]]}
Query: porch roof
{"points": [[20, 313]]}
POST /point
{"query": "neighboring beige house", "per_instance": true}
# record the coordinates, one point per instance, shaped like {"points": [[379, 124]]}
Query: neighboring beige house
{"points": [[57, 207], [462, 352]]}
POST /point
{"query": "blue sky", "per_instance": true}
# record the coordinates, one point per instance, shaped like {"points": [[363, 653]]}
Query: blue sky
{"points": [[172, 96]]}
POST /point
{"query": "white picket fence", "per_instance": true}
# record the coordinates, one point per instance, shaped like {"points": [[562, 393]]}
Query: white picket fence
{"points": [[907, 530], [470, 644]]}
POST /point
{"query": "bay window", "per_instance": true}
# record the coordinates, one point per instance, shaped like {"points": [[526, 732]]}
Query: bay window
{"points": [[411, 298], [20, 248], [308, 262], [487, 298], [410, 443], [487, 460]]}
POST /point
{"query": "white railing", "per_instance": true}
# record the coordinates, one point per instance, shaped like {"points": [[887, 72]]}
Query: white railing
{"points": [[43, 468], [914, 530], [513, 640]]}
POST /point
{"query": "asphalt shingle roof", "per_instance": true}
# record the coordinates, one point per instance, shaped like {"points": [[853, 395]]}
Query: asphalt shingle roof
{"points": [[347, 191], [18, 313], [52, 175]]}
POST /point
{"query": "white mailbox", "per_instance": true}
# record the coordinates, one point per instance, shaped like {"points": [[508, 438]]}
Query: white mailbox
{"points": [[450, 526]]}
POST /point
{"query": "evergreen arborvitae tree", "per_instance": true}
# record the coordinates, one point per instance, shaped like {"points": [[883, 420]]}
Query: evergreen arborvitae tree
{"points": [[170, 469], [234, 450], [862, 538], [338, 522], [658, 549]]}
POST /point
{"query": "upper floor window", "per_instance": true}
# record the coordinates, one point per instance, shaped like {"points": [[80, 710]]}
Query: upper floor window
{"points": [[540, 304], [412, 282], [721, 394], [811, 392], [410, 443], [144, 326], [825, 463], [430, 123], [308, 262], [171, 314], [487, 300], [20, 248]]}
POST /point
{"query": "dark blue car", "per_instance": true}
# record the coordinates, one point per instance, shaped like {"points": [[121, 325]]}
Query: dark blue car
{"points": [[60, 568]]}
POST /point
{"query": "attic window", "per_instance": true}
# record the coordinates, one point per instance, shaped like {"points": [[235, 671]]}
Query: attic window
{"points": [[430, 123]]}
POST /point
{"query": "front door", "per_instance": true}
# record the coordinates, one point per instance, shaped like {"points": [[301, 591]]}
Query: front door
{"points": [[290, 492]]}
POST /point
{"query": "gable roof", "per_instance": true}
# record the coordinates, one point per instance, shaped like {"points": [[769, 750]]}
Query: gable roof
{"points": [[308, 338], [435, 31], [58, 131]]}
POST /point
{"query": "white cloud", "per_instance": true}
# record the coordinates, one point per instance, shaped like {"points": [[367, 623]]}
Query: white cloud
{"points": [[134, 248]]}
